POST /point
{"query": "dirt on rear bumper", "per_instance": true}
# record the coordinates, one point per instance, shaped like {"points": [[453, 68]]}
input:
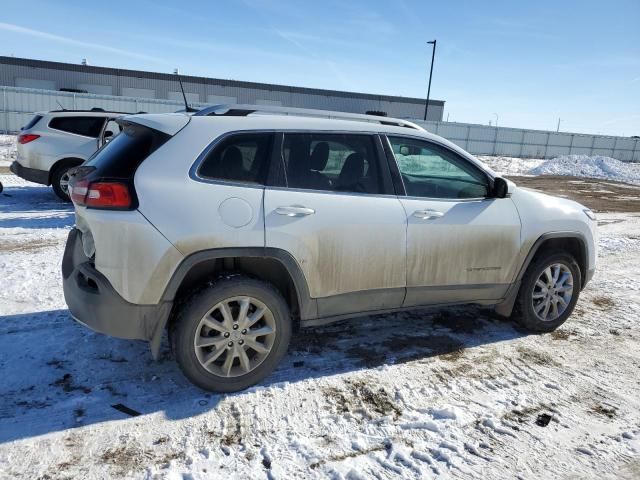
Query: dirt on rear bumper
{"points": [[94, 303]]}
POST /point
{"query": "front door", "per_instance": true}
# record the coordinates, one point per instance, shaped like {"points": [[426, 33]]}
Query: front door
{"points": [[340, 220], [462, 245]]}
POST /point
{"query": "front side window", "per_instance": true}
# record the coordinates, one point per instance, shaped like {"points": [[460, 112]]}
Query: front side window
{"points": [[333, 162], [431, 171], [86, 126], [239, 158]]}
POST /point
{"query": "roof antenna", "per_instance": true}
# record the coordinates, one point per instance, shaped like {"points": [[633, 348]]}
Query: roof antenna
{"points": [[187, 108], [60, 105]]}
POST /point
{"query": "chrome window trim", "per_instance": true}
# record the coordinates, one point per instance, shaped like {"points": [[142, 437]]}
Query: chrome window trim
{"points": [[194, 171], [331, 192], [195, 167]]}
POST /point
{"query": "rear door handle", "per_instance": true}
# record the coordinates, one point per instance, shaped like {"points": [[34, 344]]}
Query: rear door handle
{"points": [[295, 211], [427, 214]]}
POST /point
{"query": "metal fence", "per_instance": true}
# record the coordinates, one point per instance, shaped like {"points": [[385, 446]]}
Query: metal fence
{"points": [[19, 105], [523, 143]]}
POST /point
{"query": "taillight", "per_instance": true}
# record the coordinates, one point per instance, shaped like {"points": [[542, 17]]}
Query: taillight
{"points": [[78, 191], [108, 195], [27, 137], [103, 194]]}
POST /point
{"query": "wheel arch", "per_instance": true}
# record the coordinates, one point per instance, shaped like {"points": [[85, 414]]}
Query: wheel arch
{"points": [[271, 265], [71, 161], [573, 242]]}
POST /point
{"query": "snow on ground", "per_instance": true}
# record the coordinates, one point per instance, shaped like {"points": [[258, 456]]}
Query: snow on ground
{"points": [[8, 149], [572, 165], [447, 393]]}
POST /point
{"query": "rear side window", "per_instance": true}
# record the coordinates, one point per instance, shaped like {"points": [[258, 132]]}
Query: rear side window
{"points": [[239, 158], [86, 126], [333, 162], [32, 122], [123, 155]]}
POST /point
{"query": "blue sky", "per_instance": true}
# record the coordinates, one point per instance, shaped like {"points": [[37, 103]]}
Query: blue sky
{"points": [[526, 62]]}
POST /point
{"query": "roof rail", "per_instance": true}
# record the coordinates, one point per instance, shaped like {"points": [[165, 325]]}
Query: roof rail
{"points": [[241, 110], [92, 110]]}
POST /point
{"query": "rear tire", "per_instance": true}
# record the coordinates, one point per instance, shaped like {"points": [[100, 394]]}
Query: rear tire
{"points": [[232, 334], [60, 181], [548, 293]]}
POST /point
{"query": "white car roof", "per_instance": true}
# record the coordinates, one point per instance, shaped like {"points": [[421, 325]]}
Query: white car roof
{"points": [[172, 123]]}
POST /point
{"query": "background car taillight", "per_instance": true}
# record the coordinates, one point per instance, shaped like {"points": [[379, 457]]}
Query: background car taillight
{"points": [[101, 194], [27, 137]]}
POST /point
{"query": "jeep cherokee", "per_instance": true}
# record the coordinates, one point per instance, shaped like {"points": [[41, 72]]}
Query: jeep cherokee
{"points": [[232, 227]]}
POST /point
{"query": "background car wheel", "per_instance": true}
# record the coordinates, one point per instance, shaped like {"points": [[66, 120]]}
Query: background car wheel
{"points": [[231, 335], [548, 293], [60, 182]]}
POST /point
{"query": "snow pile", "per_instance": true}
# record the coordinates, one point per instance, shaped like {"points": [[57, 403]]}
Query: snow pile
{"points": [[594, 167], [511, 165], [8, 149], [572, 165]]}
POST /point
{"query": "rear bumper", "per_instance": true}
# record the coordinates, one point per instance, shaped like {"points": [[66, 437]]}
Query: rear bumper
{"points": [[30, 174], [94, 303]]}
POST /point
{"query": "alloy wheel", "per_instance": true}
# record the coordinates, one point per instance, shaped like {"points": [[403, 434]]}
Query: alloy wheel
{"points": [[235, 336], [64, 182], [552, 292]]}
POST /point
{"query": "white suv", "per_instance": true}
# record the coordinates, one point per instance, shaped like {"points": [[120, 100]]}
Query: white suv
{"points": [[54, 142], [233, 227]]}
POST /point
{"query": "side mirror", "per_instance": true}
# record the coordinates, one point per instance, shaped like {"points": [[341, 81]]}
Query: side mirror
{"points": [[108, 134], [500, 187]]}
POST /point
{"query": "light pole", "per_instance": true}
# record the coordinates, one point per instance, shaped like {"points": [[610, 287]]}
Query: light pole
{"points": [[496, 119], [433, 56]]}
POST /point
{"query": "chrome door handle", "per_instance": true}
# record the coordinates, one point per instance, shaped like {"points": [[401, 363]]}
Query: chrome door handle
{"points": [[427, 214], [295, 211]]}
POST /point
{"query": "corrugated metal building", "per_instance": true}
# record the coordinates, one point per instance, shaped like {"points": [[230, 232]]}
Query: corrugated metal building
{"points": [[38, 74]]}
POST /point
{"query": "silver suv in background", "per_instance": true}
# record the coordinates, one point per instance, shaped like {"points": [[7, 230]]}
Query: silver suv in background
{"points": [[232, 227], [54, 142]]}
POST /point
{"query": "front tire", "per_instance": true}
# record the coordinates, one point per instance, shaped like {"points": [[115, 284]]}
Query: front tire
{"points": [[60, 182], [548, 293], [232, 334]]}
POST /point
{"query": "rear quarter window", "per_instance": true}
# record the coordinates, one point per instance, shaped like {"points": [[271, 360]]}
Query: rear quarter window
{"points": [[242, 157], [85, 126]]}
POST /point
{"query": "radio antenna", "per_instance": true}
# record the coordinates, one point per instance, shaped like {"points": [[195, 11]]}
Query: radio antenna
{"points": [[187, 108]]}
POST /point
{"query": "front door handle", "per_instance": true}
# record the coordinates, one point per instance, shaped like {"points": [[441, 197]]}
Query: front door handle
{"points": [[427, 214], [295, 211]]}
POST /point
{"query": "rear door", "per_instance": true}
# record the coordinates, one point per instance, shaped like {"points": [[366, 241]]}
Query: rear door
{"points": [[339, 218], [461, 244], [75, 135]]}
